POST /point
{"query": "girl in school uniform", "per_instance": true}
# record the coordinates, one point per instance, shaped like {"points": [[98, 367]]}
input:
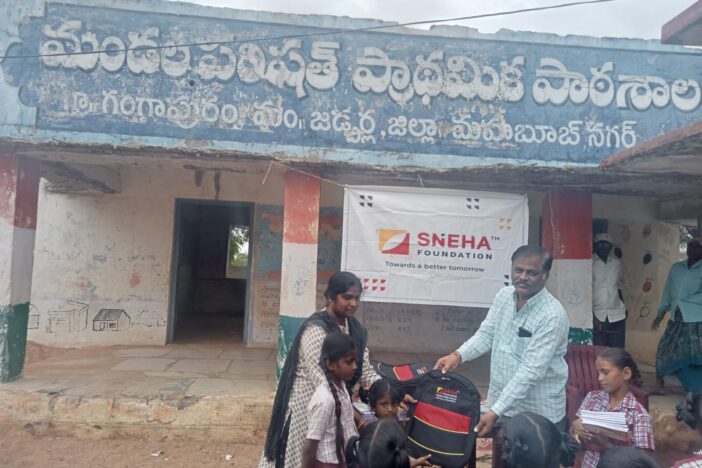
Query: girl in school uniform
{"points": [[616, 371], [382, 445], [331, 424], [384, 400]]}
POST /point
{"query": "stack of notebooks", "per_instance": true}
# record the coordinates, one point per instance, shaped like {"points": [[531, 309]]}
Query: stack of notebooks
{"points": [[609, 424]]}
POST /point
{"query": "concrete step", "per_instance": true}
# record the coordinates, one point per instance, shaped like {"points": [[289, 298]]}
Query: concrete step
{"points": [[209, 391], [243, 418]]}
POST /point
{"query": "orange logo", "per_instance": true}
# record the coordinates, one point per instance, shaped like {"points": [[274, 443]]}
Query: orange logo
{"points": [[394, 241]]}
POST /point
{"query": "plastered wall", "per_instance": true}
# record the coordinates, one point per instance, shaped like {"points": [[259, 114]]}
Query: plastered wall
{"points": [[102, 268], [648, 248], [102, 265]]}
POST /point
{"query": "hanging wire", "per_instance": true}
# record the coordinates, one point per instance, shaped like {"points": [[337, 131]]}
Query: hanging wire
{"points": [[313, 34]]}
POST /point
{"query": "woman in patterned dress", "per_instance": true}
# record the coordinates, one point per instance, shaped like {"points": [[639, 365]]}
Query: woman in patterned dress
{"points": [[302, 374]]}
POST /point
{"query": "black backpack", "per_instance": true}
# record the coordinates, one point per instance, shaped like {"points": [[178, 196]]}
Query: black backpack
{"points": [[403, 376], [442, 422]]}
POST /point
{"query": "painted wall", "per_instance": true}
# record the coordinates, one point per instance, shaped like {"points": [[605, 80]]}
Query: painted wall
{"points": [[647, 248], [86, 261], [634, 228], [447, 97], [114, 252], [394, 327]]}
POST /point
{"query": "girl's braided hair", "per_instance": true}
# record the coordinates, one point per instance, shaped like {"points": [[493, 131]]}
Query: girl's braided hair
{"points": [[532, 441], [381, 445], [336, 346]]}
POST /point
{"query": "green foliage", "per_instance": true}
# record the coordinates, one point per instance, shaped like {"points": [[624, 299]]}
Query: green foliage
{"points": [[239, 246], [686, 234]]}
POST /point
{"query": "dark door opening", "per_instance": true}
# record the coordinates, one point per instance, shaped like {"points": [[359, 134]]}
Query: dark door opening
{"points": [[211, 271]]}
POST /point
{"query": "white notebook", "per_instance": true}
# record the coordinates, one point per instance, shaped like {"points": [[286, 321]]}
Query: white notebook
{"points": [[607, 423]]}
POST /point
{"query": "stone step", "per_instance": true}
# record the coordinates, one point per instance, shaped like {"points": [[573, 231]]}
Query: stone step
{"points": [[221, 417]]}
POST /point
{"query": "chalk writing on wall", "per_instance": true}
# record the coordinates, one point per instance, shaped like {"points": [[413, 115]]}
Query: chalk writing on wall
{"points": [[410, 327], [378, 92], [266, 306]]}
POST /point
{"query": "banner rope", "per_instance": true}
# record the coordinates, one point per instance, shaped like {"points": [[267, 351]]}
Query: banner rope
{"points": [[270, 165]]}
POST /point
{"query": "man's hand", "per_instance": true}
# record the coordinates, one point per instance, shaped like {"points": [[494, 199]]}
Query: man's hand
{"points": [[423, 461], [656, 322], [486, 423], [448, 362], [406, 401]]}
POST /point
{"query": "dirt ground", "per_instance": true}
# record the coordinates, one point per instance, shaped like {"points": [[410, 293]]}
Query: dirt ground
{"points": [[36, 352], [36, 447], [20, 448]]}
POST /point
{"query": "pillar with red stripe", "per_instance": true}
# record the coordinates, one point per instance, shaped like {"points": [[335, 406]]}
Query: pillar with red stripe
{"points": [[566, 226], [19, 191], [298, 283]]}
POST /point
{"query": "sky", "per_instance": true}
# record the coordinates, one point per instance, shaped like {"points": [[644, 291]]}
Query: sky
{"points": [[621, 18]]}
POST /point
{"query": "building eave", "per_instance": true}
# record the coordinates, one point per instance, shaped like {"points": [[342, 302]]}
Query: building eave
{"points": [[686, 28], [679, 151]]}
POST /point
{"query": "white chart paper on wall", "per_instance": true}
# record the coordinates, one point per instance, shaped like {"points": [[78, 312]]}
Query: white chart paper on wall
{"points": [[431, 246]]}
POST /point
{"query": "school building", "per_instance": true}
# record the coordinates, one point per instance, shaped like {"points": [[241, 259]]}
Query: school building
{"points": [[187, 181]]}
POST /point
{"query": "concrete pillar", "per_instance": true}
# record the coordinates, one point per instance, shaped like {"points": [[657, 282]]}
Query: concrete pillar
{"points": [[19, 191], [566, 227], [298, 283]]}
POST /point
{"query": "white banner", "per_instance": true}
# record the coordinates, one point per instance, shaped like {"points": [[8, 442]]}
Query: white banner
{"points": [[431, 246]]}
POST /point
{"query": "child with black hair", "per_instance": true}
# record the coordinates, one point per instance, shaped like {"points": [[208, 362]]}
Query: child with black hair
{"points": [[616, 370], [331, 421], [626, 457], [689, 411], [381, 445], [382, 442], [384, 399], [532, 441]]}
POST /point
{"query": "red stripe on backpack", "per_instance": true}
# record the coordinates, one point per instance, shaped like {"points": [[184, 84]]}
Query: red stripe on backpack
{"points": [[442, 419]]}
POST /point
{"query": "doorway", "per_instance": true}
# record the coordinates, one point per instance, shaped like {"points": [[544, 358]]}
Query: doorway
{"points": [[211, 258]]}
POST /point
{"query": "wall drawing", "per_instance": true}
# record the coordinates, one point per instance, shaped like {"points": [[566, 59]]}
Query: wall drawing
{"points": [[34, 317], [646, 252], [111, 320], [69, 317], [149, 319]]}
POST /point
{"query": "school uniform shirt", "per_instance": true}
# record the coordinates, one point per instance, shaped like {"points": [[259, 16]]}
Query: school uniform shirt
{"points": [[637, 418], [692, 462], [606, 304], [528, 371], [322, 421]]}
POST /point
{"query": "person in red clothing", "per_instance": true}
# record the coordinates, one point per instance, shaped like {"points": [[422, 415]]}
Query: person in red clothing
{"points": [[616, 370]]}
